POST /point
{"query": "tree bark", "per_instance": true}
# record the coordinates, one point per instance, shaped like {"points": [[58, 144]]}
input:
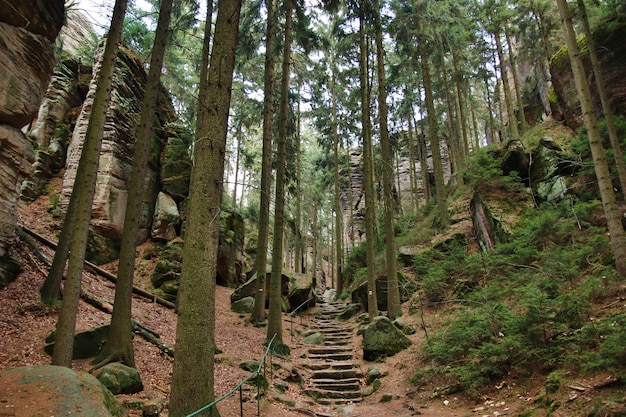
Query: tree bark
{"points": [[260, 263], [274, 323], [83, 192], [368, 179], [393, 292], [119, 345], [609, 203], [433, 136], [193, 379]]}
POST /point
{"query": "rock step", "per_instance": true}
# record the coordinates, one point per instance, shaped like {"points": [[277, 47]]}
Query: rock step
{"points": [[332, 356], [320, 350], [336, 373], [331, 365], [339, 385], [346, 381], [337, 401], [320, 394]]}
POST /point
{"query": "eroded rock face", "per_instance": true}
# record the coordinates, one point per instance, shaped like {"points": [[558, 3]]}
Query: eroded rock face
{"points": [[611, 50], [118, 146], [28, 29]]}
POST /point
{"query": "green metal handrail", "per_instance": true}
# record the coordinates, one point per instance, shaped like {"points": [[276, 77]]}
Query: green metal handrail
{"points": [[238, 387]]}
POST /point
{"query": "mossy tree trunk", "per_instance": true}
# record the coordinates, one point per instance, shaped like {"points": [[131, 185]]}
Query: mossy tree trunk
{"points": [[368, 177], [260, 264], [393, 292], [274, 323], [193, 379]]}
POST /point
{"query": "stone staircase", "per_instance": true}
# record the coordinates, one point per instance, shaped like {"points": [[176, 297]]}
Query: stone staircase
{"points": [[335, 376]]}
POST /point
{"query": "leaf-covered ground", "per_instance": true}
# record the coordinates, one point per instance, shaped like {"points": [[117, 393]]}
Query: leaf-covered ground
{"points": [[24, 324]]}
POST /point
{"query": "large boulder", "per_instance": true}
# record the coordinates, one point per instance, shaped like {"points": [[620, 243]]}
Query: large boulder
{"points": [[166, 218], [406, 284], [248, 288], [56, 390], [382, 339], [302, 292], [87, 344]]}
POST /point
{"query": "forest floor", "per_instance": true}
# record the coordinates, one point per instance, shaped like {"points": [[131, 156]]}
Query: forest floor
{"points": [[24, 324]]}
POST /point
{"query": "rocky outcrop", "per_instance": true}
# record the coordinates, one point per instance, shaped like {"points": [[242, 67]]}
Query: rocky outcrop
{"points": [[28, 30], [56, 390], [611, 50]]}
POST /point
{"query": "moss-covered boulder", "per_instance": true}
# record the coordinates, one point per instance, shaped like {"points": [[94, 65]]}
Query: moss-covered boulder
{"points": [[119, 378], [87, 344], [382, 339], [243, 306]]}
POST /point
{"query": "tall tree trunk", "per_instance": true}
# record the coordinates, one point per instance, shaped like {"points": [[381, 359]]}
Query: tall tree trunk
{"points": [[412, 168], [393, 292], [192, 379], [368, 179], [464, 139], [453, 121], [83, 192], [239, 138], [507, 88], [604, 99], [260, 263], [433, 136], [119, 344], [274, 323], [611, 210], [337, 200], [298, 229]]}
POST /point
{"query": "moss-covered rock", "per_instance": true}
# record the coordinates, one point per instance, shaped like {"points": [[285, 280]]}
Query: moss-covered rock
{"points": [[381, 339], [120, 379]]}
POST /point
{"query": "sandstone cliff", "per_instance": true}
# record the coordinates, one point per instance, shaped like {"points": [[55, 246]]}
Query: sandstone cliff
{"points": [[28, 30]]}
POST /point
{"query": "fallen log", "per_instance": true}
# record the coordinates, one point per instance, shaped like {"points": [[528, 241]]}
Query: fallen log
{"points": [[146, 333], [94, 268]]}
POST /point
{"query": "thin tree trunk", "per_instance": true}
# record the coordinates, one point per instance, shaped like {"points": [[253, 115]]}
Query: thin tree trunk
{"points": [[119, 345], [507, 88], [237, 159], [516, 82], [260, 263], [393, 292], [611, 210], [604, 99], [83, 192], [274, 323], [193, 379]]}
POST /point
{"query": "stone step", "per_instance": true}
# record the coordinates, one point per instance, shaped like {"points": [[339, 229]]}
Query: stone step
{"points": [[331, 365], [318, 394], [319, 350], [338, 385], [332, 356], [336, 373]]}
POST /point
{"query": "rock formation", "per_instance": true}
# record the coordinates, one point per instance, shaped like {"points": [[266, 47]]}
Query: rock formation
{"points": [[611, 50], [28, 30]]}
